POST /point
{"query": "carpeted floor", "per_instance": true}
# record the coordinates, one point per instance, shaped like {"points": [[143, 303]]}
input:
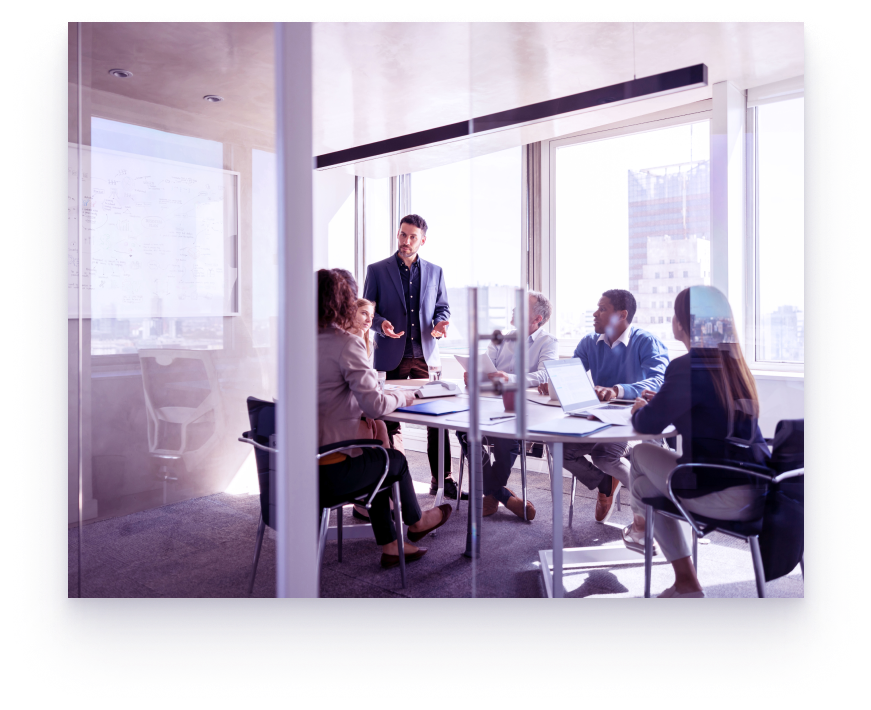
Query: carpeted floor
{"points": [[204, 548]]}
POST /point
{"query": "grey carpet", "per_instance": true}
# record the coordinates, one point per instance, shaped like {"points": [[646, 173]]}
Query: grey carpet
{"points": [[204, 548]]}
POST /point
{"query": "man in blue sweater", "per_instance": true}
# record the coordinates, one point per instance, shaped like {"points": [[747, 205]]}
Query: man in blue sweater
{"points": [[624, 360]]}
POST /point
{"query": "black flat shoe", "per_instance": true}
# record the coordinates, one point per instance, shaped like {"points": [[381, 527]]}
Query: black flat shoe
{"points": [[450, 489], [446, 513], [388, 561]]}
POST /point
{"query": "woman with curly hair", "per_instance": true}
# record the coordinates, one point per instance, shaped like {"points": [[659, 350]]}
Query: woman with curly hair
{"points": [[348, 389]]}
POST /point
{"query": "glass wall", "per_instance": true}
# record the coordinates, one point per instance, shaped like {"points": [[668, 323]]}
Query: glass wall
{"points": [[780, 231], [473, 209], [632, 212], [172, 302]]}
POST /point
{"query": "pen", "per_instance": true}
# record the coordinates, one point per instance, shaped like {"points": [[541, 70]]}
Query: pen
{"points": [[503, 416]]}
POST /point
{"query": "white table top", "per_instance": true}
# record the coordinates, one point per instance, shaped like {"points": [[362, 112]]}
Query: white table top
{"points": [[536, 414]]}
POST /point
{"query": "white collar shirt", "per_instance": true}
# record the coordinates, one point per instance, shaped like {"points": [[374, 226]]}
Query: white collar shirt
{"points": [[541, 346], [624, 338]]}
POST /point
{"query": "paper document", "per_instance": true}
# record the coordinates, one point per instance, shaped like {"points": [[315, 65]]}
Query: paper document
{"points": [[612, 415], [485, 364], [437, 388]]}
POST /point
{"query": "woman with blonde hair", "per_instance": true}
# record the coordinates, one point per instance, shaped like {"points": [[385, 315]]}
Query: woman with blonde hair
{"points": [[710, 396], [362, 324]]}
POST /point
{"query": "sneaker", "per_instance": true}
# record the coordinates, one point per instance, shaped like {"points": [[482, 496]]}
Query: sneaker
{"points": [[450, 488], [605, 504]]}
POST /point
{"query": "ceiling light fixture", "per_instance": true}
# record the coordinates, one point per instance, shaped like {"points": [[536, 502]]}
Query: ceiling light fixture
{"points": [[212, 98], [121, 73], [644, 88]]}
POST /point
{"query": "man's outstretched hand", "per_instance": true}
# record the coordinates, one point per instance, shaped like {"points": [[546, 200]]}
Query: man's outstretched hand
{"points": [[387, 329], [440, 330]]}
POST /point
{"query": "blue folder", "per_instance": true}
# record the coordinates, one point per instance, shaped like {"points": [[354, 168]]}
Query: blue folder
{"points": [[435, 408], [573, 426]]}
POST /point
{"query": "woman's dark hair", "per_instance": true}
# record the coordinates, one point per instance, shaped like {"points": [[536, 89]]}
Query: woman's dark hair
{"points": [[337, 303], [721, 351], [349, 277]]}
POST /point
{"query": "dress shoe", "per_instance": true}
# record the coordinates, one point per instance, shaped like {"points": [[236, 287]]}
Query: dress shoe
{"points": [[491, 505], [388, 561], [605, 504], [446, 513], [450, 488], [515, 505]]}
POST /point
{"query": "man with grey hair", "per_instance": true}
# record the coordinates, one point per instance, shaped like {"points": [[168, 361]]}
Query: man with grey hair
{"points": [[541, 346]]}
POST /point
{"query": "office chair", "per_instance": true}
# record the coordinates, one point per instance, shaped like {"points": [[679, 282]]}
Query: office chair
{"points": [[262, 435], [775, 536], [184, 409]]}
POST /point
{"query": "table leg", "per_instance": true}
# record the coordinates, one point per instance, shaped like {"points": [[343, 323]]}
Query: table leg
{"points": [[557, 498], [440, 493]]}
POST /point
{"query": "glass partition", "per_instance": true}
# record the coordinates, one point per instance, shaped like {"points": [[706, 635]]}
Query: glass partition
{"points": [[172, 302]]}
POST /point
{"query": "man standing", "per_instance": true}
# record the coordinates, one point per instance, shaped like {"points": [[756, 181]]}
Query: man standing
{"points": [[411, 313], [541, 346], [624, 361]]}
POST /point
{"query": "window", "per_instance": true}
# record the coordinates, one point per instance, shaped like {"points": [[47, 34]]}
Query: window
{"points": [[473, 214], [376, 210], [686, 274], [671, 274], [779, 131]]}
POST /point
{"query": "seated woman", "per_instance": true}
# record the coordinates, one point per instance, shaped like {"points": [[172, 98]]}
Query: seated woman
{"points": [[378, 429], [710, 396], [347, 389]]}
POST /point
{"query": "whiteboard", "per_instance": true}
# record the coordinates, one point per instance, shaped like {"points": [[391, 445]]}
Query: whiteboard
{"points": [[150, 238]]}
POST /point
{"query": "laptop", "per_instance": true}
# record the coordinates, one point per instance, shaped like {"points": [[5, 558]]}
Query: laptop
{"points": [[577, 395]]}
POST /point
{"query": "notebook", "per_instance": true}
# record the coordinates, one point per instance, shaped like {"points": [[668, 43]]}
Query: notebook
{"points": [[437, 407], [577, 395]]}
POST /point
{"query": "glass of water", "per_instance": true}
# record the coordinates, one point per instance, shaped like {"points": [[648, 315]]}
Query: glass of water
{"points": [[435, 372]]}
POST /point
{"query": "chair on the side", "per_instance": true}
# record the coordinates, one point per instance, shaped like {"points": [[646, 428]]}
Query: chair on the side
{"points": [[262, 437], [780, 491], [183, 407], [523, 447]]}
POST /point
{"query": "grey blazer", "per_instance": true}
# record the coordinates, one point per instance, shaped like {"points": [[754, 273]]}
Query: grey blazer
{"points": [[384, 287], [347, 387]]}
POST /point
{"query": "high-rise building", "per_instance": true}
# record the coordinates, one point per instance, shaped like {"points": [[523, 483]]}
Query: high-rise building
{"points": [[671, 200], [783, 335]]}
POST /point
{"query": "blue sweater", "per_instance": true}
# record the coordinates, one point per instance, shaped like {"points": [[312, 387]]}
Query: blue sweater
{"points": [[639, 366]]}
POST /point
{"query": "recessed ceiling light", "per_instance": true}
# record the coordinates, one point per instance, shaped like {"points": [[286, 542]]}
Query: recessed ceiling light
{"points": [[212, 98], [121, 73]]}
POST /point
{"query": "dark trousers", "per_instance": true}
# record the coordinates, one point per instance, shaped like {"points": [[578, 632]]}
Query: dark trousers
{"points": [[358, 475], [415, 368], [505, 453]]}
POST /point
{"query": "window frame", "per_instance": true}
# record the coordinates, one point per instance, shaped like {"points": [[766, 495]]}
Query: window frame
{"points": [[752, 310], [680, 115]]}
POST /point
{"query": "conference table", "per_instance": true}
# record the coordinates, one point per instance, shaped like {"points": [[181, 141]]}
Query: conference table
{"points": [[537, 413]]}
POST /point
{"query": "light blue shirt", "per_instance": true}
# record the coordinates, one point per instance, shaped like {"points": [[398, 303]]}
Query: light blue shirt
{"points": [[540, 347]]}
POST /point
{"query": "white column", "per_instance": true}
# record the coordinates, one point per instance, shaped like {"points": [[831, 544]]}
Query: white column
{"points": [[727, 195], [296, 487]]}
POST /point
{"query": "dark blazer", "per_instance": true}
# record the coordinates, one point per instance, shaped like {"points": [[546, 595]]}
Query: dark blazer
{"points": [[384, 287], [688, 400]]}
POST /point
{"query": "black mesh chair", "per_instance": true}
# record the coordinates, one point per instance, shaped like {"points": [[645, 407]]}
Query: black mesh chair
{"points": [[779, 526], [261, 415]]}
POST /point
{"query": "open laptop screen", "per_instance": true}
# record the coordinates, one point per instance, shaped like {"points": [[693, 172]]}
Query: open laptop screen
{"points": [[573, 387]]}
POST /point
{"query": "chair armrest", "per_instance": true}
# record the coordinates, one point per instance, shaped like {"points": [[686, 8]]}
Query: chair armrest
{"points": [[789, 474], [359, 444], [245, 440]]}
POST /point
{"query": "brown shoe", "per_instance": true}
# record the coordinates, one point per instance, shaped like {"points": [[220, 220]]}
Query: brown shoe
{"points": [[446, 509], [388, 561], [491, 505], [605, 504], [515, 505]]}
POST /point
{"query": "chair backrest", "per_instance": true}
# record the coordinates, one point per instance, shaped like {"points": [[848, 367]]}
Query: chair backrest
{"points": [[788, 448], [261, 415], [183, 402]]}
